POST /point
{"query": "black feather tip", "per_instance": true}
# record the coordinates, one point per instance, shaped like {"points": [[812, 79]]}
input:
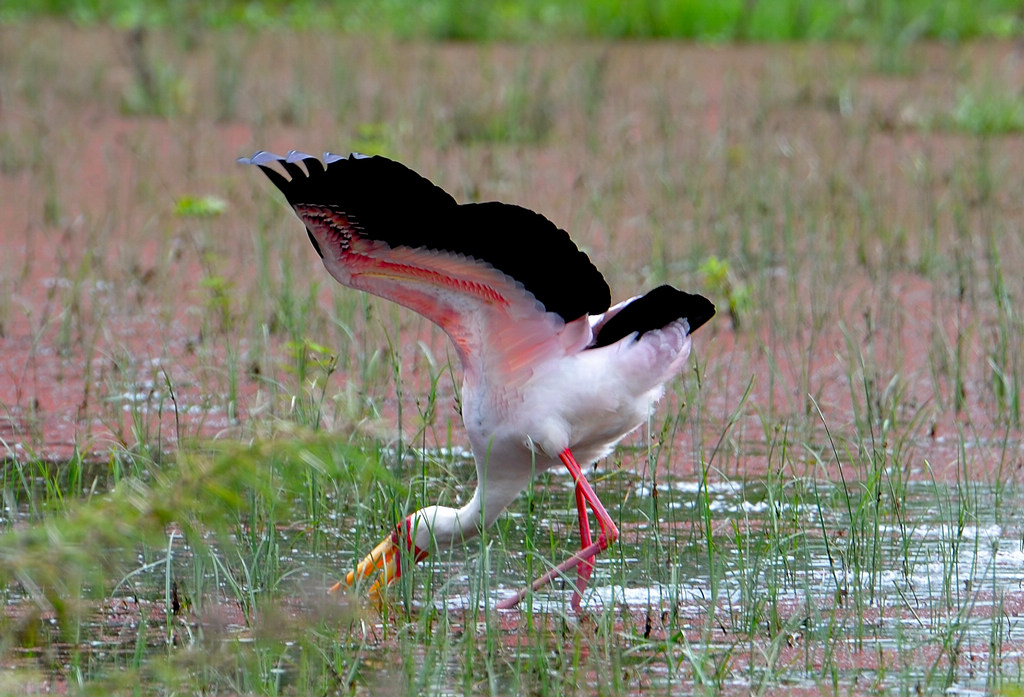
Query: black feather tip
{"points": [[657, 309]]}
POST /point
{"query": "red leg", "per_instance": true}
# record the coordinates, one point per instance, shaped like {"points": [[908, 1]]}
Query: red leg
{"points": [[585, 557], [604, 520], [609, 533], [586, 568]]}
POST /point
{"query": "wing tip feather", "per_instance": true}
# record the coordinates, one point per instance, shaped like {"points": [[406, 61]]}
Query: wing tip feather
{"points": [[260, 158]]}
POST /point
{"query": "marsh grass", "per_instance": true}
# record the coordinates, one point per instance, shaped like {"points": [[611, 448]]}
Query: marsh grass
{"points": [[892, 24], [235, 539], [828, 498], [522, 114], [988, 110]]}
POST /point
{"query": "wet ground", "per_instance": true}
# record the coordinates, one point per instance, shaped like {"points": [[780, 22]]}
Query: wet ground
{"points": [[115, 299], [868, 218]]}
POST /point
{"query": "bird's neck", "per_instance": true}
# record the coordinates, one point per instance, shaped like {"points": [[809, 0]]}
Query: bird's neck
{"points": [[444, 527]]}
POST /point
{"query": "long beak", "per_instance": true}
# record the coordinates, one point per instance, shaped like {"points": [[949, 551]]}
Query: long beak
{"points": [[383, 558]]}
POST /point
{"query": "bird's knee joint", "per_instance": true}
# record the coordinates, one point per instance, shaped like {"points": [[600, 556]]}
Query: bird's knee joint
{"points": [[547, 446]]}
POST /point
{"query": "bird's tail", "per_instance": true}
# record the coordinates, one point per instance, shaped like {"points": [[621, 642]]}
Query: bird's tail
{"points": [[655, 310]]}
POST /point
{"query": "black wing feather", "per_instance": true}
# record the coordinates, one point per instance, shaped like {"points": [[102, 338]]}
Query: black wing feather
{"points": [[393, 204]]}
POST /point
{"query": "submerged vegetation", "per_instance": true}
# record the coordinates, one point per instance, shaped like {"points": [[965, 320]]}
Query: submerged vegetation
{"points": [[200, 432]]}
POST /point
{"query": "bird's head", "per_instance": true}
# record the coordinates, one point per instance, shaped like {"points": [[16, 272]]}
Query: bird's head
{"points": [[386, 558]]}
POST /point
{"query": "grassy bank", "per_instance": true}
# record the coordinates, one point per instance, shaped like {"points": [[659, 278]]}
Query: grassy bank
{"points": [[702, 20]]}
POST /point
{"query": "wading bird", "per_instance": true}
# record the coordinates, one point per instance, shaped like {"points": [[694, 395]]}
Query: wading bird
{"points": [[551, 372]]}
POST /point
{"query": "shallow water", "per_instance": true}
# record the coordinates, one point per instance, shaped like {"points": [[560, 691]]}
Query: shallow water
{"points": [[929, 594], [797, 582], [926, 591]]}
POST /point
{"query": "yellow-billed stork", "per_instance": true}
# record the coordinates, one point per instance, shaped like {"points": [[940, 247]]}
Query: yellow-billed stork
{"points": [[551, 373]]}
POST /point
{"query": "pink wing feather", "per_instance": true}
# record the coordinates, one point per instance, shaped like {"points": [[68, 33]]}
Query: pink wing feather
{"points": [[383, 229], [499, 329]]}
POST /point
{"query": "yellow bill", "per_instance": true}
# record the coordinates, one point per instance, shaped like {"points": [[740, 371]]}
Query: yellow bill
{"points": [[383, 559]]}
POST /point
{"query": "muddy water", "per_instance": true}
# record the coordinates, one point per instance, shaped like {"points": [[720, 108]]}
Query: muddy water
{"points": [[809, 581], [801, 583], [921, 584]]}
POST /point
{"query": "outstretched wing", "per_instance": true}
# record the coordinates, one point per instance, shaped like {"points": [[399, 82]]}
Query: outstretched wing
{"points": [[507, 285]]}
